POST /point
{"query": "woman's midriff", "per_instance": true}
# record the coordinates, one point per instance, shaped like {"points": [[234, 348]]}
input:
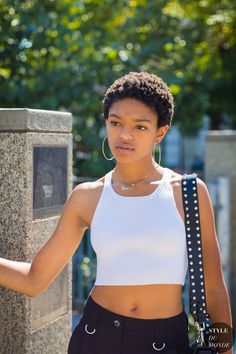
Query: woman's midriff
{"points": [[140, 301]]}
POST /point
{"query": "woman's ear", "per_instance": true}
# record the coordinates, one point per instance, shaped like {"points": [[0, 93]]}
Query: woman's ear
{"points": [[161, 133]]}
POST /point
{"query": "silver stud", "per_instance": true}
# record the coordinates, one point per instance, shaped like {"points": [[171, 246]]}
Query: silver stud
{"points": [[192, 276], [190, 256], [199, 248], [190, 249], [203, 297], [193, 182], [186, 202], [190, 242]]}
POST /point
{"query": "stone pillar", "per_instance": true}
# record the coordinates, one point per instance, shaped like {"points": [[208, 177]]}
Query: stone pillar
{"points": [[35, 181], [220, 161]]}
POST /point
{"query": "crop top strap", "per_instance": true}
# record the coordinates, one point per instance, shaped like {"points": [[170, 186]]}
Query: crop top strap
{"points": [[107, 180], [167, 175]]}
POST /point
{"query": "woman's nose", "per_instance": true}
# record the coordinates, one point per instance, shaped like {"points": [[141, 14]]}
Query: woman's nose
{"points": [[126, 133]]}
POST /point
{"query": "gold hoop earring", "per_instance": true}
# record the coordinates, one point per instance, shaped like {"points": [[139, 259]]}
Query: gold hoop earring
{"points": [[159, 153], [103, 151]]}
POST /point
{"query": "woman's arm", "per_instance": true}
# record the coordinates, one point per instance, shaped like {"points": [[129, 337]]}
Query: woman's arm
{"points": [[217, 298], [32, 279]]}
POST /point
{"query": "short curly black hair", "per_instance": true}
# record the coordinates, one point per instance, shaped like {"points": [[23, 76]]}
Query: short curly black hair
{"points": [[143, 86]]}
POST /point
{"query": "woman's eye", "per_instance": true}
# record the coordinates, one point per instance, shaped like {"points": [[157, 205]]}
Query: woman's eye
{"points": [[114, 123], [141, 127]]}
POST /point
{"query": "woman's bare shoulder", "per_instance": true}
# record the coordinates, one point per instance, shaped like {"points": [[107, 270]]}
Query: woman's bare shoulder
{"points": [[176, 182], [89, 189], [85, 197]]}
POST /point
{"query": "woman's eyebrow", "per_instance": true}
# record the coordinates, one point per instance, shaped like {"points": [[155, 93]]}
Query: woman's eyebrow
{"points": [[141, 119]]}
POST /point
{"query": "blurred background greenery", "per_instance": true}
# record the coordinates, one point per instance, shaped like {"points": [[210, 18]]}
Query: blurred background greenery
{"points": [[62, 55]]}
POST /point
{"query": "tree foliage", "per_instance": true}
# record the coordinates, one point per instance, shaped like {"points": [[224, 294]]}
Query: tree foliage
{"points": [[61, 55]]}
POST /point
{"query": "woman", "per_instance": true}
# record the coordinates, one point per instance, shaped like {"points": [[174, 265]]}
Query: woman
{"points": [[135, 213]]}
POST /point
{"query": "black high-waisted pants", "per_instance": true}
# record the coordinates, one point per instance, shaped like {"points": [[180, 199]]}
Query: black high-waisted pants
{"points": [[101, 331]]}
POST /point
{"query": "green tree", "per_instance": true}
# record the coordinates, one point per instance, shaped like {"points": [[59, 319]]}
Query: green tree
{"points": [[61, 55]]}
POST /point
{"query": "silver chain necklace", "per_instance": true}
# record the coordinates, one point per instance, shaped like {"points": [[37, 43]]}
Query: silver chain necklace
{"points": [[130, 186]]}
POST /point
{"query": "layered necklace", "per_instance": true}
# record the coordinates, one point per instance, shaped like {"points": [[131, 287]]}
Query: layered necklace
{"points": [[124, 186]]}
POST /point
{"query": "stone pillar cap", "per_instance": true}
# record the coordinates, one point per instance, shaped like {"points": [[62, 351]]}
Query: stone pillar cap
{"points": [[35, 120]]}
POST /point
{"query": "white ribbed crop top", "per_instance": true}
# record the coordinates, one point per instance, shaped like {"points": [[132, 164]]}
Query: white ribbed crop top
{"points": [[139, 239]]}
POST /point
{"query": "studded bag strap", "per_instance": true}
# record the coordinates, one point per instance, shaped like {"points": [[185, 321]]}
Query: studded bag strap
{"points": [[197, 296]]}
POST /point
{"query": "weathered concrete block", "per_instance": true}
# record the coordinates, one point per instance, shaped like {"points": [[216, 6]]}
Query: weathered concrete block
{"points": [[39, 325]]}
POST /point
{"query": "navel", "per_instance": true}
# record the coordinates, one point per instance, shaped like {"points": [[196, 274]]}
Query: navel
{"points": [[133, 308]]}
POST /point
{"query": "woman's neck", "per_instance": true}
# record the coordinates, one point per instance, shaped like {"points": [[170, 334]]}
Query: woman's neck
{"points": [[131, 173]]}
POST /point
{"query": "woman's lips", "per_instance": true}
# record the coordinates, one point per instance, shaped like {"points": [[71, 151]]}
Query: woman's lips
{"points": [[124, 148]]}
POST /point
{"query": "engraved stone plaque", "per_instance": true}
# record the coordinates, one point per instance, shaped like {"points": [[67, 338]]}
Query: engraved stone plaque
{"points": [[52, 303], [49, 180]]}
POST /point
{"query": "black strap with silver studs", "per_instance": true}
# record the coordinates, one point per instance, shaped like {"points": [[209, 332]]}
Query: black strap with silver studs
{"points": [[197, 297]]}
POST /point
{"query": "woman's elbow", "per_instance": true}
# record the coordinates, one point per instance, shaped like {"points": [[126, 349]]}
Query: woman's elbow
{"points": [[35, 288]]}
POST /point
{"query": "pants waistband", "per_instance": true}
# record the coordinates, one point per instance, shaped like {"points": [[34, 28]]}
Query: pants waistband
{"points": [[104, 318]]}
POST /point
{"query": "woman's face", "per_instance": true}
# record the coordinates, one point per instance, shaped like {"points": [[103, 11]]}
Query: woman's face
{"points": [[132, 130]]}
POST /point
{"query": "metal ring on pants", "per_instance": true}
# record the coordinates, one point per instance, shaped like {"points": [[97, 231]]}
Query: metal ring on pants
{"points": [[101, 331]]}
